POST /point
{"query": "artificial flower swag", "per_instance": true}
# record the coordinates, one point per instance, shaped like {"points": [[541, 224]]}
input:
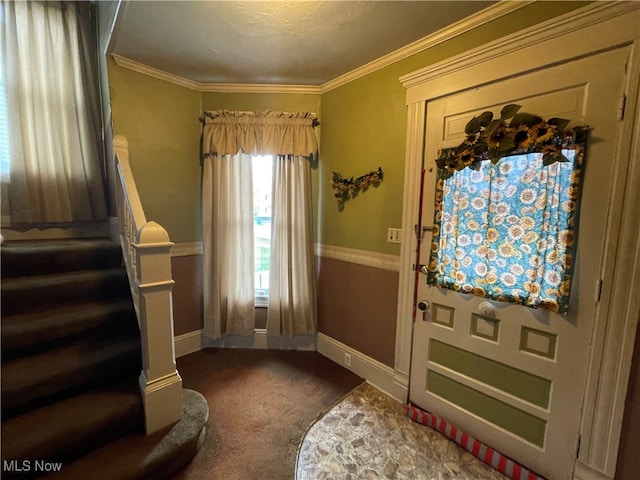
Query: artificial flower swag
{"points": [[491, 139], [348, 187]]}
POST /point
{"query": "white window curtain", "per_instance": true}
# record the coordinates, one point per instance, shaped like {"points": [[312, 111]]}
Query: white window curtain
{"points": [[292, 293], [228, 259], [229, 140], [48, 57]]}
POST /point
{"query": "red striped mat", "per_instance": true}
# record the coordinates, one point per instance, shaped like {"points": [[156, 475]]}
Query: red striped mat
{"points": [[488, 455]]}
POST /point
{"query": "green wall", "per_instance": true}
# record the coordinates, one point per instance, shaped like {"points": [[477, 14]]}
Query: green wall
{"points": [[160, 121], [277, 102], [364, 126]]}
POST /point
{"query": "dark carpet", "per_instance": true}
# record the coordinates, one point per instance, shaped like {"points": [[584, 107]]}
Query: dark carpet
{"points": [[261, 403]]}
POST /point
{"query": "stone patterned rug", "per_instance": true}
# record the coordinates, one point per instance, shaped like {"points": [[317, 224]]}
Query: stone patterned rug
{"points": [[367, 436]]}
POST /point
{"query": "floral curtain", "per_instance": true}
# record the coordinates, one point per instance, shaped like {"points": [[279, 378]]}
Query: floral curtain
{"points": [[506, 231]]}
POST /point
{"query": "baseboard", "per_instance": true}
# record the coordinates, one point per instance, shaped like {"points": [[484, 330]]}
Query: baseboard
{"points": [[261, 341], [188, 343], [381, 376]]}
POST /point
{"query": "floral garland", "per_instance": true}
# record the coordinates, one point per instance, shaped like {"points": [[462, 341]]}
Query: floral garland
{"points": [[347, 188], [491, 139]]}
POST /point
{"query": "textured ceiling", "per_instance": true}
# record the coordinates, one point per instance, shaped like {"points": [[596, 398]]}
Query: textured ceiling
{"points": [[266, 42]]}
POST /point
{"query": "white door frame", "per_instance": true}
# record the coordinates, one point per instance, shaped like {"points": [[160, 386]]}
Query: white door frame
{"points": [[597, 27]]}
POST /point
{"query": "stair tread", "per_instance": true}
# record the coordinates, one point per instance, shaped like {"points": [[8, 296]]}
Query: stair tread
{"points": [[65, 360], [70, 393], [25, 294], [50, 279], [38, 434], [58, 244], [31, 381], [137, 456], [23, 330], [35, 257]]}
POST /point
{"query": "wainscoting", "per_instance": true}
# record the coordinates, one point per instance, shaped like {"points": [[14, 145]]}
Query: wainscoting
{"points": [[357, 300]]}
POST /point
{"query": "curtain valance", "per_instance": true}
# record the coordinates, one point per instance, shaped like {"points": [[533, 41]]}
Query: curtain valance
{"points": [[258, 133]]}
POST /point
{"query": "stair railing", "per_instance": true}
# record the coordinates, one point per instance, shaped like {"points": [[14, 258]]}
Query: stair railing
{"points": [[146, 250]]}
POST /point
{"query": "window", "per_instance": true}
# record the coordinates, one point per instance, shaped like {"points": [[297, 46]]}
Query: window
{"points": [[506, 230], [262, 183], [5, 164]]}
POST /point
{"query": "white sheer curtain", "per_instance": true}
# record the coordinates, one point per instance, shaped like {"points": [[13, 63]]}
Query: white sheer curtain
{"points": [[229, 139], [48, 55], [292, 288], [228, 278]]}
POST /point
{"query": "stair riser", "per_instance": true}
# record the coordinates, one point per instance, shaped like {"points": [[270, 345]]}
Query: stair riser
{"points": [[16, 400], [58, 436], [20, 261], [22, 337], [28, 297]]}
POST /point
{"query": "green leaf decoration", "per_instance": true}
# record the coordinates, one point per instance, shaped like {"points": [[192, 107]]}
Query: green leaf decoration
{"points": [[524, 119], [560, 123], [509, 111], [349, 188], [473, 126], [485, 118], [475, 165], [494, 155], [506, 145], [492, 127], [489, 138]]}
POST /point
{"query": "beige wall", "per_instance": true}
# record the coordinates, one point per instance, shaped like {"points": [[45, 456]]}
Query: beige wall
{"points": [[187, 293], [357, 306]]}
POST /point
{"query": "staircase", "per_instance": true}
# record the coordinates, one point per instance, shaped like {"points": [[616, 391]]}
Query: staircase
{"points": [[71, 357]]}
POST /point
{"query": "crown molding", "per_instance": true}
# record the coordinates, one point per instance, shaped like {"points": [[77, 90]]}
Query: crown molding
{"points": [[212, 87], [155, 72], [483, 16]]}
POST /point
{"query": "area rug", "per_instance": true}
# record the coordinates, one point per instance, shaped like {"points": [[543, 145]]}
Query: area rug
{"points": [[261, 403], [367, 436]]}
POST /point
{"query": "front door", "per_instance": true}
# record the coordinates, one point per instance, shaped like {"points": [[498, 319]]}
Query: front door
{"points": [[512, 376]]}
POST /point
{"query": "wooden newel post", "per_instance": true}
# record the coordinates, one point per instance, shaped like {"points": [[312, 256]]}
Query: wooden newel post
{"points": [[160, 383]]}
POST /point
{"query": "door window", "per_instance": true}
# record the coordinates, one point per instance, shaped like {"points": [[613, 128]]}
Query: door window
{"points": [[506, 230]]}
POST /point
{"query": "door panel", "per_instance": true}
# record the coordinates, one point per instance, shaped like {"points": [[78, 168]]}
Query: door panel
{"points": [[514, 377]]}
